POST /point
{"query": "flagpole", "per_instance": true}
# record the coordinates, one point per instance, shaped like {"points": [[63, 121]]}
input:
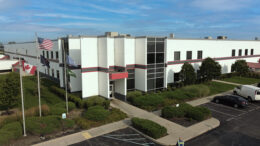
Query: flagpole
{"points": [[65, 77], [38, 73], [21, 86]]}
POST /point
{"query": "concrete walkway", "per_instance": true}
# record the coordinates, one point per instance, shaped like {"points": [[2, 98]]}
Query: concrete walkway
{"points": [[174, 130], [225, 82], [84, 135]]}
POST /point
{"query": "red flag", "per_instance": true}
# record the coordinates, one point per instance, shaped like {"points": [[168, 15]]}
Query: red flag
{"points": [[30, 69]]}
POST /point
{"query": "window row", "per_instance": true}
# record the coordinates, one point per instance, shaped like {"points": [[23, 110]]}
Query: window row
{"points": [[51, 72], [155, 70], [51, 54], [157, 75], [240, 52], [155, 58], [155, 47], [155, 83], [177, 55]]}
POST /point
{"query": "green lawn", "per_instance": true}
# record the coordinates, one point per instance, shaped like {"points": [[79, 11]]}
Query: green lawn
{"points": [[216, 87], [242, 80]]}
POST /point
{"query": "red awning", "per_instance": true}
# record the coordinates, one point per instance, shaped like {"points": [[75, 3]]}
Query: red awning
{"points": [[253, 65]]}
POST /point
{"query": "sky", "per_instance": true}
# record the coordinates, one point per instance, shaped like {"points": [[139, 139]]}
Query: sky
{"points": [[237, 19]]}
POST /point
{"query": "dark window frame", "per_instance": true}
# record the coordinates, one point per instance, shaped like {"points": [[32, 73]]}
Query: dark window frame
{"points": [[177, 54], [188, 55], [240, 52], [252, 52], [57, 55], [199, 54], [246, 52], [233, 52]]}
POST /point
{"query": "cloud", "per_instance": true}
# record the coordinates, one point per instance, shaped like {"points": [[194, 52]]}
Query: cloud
{"points": [[29, 28], [6, 4], [5, 19], [55, 15], [221, 5], [113, 10]]}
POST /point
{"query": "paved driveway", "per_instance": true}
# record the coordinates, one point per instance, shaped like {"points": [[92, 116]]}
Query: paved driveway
{"points": [[123, 137], [239, 127]]}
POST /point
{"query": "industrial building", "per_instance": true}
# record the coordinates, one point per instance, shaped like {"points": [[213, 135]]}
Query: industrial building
{"points": [[113, 64]]}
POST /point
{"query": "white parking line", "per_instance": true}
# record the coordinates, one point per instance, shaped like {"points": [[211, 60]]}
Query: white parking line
{"points": [[222, 112], [227, 107]]}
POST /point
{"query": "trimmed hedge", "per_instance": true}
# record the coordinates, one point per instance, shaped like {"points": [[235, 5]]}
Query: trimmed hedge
{"points": [[148, 102], [96, 113], [149, 127], [132, 94], [91, 101], [10, 131], [47, 125], [186, 110]]}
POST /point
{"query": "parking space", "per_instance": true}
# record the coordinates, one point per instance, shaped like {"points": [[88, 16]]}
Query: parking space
{"points": [[226, 113], [123, 137]]}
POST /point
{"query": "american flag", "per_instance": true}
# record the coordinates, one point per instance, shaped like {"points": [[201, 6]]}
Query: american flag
{"points": [[45, 44]]}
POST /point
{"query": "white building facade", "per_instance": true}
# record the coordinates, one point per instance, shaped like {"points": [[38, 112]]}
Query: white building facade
{"points": [[110, 66]]}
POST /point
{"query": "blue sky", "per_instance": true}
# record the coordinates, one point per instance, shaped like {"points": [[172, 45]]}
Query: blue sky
{"points": [[237, 19]]}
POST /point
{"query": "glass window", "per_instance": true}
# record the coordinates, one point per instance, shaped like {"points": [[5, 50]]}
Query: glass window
{"points": [[58, 74], [176, 77], [177, 55], [150, 58], [252, 51], [159, 46], [130, 84], [57, 55], [246, 52], [51, 55], [233, 52], [159, 69], [240, 52], [159, 75], [43, 53], [131, 71], [159, 65], [131, 76], [199, 55], [150, 84], [160, 39], [159, 82], [47, 52], [151, 47], [151, 76], [189, 55], [150, 39], [151, 71], [151, 66], [52, 70], [159, 57]]}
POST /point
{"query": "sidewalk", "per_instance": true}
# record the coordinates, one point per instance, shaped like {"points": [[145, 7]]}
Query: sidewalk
{"points": [[84, 135], [231, 83], [174, 130]]}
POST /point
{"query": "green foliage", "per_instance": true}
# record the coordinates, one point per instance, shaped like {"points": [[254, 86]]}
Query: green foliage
{"points": [[186, 110], [47, 125], [240, 67], [148, 102], [9, 91], [210, 69], [71, 105], [187, 74], [115, 115], [10, 131], [96, 113], [57, 110], [96, 100], [149, 127], [132, 94], [188, 92], [241, 80]]}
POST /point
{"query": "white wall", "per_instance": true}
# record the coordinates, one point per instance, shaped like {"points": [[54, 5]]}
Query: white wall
{"points": [[129, 51], [119, 52]]}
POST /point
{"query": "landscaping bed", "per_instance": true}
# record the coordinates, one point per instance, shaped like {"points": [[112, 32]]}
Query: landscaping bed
{"points": [[241, 80], [156, 101], [185, 114]]}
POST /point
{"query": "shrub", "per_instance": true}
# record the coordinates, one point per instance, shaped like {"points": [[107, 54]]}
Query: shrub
{"points": [[209, 69], [170, 112], [85, 124], [149, 127], [71, 105], [115, 115], [57, 110], [133, 94], [10, 131], [148, 102], [187, 74], [67, 123], [43, 125], [96, 113], [96, 100]]}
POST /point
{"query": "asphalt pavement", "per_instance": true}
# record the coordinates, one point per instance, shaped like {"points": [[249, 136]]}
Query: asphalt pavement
{"points": [[238, 127]]}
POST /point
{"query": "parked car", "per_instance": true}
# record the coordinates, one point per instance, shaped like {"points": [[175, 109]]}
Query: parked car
{"points": [[258, 85], [250, 92], [231, 100]]}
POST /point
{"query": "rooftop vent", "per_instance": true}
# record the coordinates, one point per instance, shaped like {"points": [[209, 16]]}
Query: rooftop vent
{"points": [[222, 37], [171, 35], [111, 34], [208, 38]]}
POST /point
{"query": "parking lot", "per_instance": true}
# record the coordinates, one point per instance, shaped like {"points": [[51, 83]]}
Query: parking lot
{"points": [[238, 126], [123, 137]]}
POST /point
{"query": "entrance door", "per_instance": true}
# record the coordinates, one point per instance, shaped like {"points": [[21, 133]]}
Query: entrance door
{"points": [[112, 90]]}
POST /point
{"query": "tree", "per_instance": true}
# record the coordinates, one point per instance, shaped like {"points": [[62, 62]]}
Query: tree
{"points": [[240, 67], [9, 91], [210, 69], [12, 42], [187, 74]]}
